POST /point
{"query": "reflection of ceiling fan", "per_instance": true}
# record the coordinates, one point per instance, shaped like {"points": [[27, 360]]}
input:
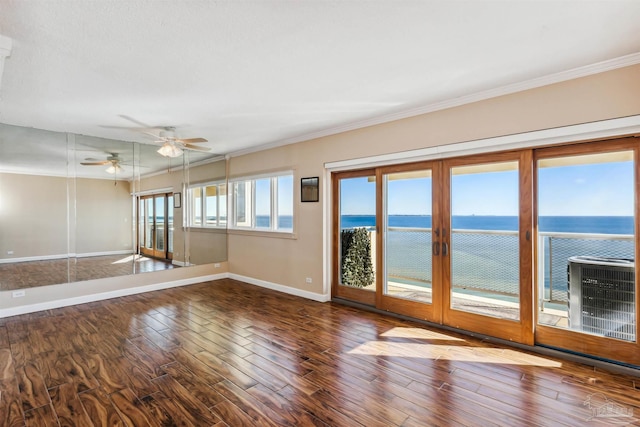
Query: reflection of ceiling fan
{"points": [[172, 146], [113, 160]]}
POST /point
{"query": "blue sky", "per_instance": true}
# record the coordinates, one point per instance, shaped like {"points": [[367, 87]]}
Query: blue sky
{"points": [[601, 189]]}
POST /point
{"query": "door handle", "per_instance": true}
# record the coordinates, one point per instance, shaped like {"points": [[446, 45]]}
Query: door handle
{"points": [[436, 248], [445, 249]]}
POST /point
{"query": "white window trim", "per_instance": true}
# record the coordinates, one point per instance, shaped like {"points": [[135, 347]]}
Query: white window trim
{"points": [[253, 228], [189, 215]]}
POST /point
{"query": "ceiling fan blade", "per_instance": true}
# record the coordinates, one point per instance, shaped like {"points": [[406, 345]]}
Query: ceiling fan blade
{"points": [[196, 147], [191, 140], [139, 123], [150, 134], [106, 162]]}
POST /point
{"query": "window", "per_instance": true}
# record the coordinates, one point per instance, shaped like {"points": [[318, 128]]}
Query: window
{"points": [[208, 205], [263, 203]]}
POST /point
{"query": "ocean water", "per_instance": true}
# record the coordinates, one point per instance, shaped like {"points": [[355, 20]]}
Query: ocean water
{"points": [[489, 261], [558, 224]]}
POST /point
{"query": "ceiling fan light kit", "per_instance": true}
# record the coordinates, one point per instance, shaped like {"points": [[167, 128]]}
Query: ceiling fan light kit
{"points": [[170, 150], [114, 168]]}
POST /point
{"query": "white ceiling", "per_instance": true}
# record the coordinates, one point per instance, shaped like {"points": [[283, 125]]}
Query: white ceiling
{"points": [[245, 74]]}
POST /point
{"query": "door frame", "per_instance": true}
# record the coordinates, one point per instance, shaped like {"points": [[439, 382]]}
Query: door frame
{"points": [[419, 310], [520, 331], [153, 252], [337, 289], [567, 339]]}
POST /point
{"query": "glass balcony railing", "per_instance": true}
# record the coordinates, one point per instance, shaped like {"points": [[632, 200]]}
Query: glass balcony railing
{"points": [[556, 249], [487, 260]]}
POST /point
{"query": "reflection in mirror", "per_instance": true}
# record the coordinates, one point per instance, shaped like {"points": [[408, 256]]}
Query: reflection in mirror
{"points": [[76, 208], [34, 207]]}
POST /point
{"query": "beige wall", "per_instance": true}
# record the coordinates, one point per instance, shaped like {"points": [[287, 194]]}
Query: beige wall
{"points": [[103, 216], [33, 216], [289, 262], [37, 221]]}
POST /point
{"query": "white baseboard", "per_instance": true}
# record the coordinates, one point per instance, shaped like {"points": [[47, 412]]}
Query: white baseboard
{"points": [[63, 256], [24, 309], [49, 305], [33, 258], [282, 288]]}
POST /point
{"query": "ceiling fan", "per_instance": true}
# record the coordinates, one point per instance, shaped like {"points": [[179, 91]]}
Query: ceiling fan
{"points": [[113, 160], [172, 146]]}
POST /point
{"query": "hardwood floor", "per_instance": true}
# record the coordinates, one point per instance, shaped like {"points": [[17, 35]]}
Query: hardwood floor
{"points": [[229, 353], [31, 274]]}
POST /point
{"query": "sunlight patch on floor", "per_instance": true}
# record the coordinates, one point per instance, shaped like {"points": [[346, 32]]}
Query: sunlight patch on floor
{"points": [[136, 258], [418, 334], [452, 353]]}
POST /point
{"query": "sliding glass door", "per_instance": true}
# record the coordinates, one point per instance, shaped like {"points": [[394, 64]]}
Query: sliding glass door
{"points": [[355, 236], [411, 241], [155, 225], [587, 297], [534, 246], [489, 246]]}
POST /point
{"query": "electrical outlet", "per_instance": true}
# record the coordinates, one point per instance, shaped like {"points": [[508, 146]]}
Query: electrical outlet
{"points": [[309, 280], [18, 294], [9, 252], [216, 265]]}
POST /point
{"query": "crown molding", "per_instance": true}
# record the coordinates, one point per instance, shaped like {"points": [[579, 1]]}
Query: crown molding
{"points": [[618, 127], [575, 73]]}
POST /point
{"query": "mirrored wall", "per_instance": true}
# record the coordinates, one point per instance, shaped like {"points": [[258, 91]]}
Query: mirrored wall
{"points": [[76, 208]]}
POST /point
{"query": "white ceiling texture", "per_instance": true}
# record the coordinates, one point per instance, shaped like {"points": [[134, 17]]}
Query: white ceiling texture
{"points": [[254, 74]]}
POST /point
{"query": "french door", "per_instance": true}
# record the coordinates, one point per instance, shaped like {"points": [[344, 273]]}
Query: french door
{"points": [[487, 234], [449, 241], [155, 225]]}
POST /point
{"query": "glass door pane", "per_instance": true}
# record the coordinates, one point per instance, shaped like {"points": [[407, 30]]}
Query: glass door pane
{"points": [[159, 219], [586, 244], [407, 235], [148, 224], [355, 237], [170, 225], [485, 266]]}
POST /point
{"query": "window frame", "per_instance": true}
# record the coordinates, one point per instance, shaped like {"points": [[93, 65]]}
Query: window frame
{"points": [[191, 213], [250, 224]]}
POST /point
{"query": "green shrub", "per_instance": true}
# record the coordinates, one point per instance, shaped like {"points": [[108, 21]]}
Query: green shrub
{"points": [[357, 268]]}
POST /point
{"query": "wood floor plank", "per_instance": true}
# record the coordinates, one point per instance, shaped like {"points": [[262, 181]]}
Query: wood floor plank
{"points": [[135, 379], [100, 409], [184, 404], [68, 406], [273, 381], [262, 414], [281, 409], [11, 413], [44, 416], [229, 372], [132, 411], [296, 380], [110, 379], [6, 365], [33, 391], [234, 416], [198, 386], [188, 360], [72, 369]]}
